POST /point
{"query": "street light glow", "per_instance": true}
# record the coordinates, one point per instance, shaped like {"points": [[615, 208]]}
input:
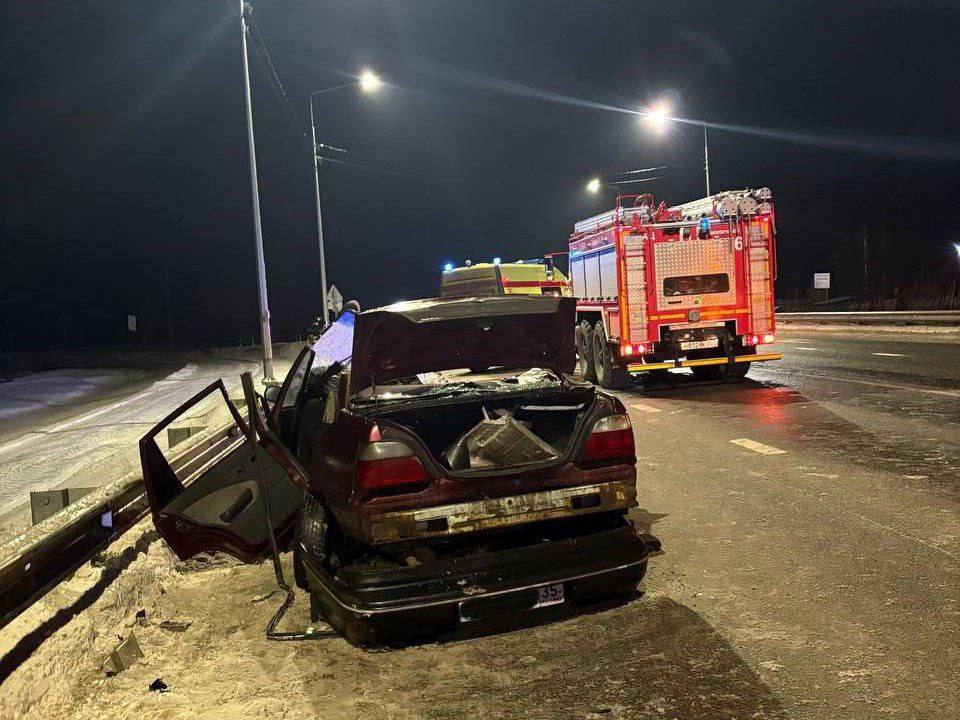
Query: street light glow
{"points": [[594, 186], [956, 246], [657, 116], [448, 267], [370, 81]]}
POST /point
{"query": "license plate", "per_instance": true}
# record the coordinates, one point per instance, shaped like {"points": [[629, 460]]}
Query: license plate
{"points": [[699, 344], [549, 595]]}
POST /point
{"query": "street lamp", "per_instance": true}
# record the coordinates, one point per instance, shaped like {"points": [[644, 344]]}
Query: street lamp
{"points": [[368, 82], [265, 340], [657, 117], [593, 186]]}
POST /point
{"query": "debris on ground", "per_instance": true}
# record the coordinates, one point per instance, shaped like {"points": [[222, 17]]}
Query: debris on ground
{"points": [[158, 685], [176, 626], [123, 656]]}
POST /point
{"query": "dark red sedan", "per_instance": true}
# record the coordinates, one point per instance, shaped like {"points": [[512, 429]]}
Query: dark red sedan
{"points": [[417, 495]]}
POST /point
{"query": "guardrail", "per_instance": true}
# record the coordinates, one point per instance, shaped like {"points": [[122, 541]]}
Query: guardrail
{"points": [[39, 558], [902, 318]]}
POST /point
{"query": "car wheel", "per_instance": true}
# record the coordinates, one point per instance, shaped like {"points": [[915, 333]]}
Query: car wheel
{"points": [[313, 530], [610, 376], [585, 366]]}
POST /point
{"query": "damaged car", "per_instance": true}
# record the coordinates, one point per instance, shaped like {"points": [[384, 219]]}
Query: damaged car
{"points": [[417, 495]]}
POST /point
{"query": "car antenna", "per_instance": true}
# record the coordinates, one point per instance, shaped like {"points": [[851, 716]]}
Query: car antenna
{"points": [[310, 633]]}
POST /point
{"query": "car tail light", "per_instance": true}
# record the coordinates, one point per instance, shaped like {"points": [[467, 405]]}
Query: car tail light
{"points": [[390, 466], [610, 438]]}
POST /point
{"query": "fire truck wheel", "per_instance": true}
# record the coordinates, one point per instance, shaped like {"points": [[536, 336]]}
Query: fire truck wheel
{"points": [[609, 375], [585, 365]]}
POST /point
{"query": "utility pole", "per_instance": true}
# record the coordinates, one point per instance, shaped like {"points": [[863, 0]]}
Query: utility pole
{"points": [[706, 158], [265, 339], [316, 197]]}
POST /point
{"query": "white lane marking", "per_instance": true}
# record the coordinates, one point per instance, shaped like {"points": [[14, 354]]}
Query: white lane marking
{"points": [[758, 447], [890, 386], [808, 348], [889, 354], [646, 408], [792, 340]]}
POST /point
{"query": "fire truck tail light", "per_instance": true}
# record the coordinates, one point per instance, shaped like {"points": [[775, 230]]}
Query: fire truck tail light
{"points": [[769, 338], [626, 350], [611, 438]]}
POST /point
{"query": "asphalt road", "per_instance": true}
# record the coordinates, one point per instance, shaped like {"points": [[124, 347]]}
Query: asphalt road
{"points": [[811, 521]]}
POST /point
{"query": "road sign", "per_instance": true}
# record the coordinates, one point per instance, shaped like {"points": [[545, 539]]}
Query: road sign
{"points": [[334, 300], [821, 281], [132, 323]]}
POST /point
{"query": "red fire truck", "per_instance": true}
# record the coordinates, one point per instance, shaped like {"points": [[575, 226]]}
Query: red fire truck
{"points": [[667, 287]]}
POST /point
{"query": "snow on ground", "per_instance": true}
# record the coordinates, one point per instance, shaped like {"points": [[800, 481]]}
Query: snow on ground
{"points": [[60, 387], [86, 431], [650, 657]]}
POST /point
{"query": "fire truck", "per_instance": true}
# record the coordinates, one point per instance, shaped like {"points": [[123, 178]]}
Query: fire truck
{"points": [[671, 287]]}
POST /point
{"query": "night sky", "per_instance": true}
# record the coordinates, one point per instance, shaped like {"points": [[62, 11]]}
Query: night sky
{"points": [[124, 157]]}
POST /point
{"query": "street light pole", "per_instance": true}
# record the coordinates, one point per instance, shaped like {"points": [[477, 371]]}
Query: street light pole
{"points": [[706, 158], [316, 196], [368, 82], [265, 338]]}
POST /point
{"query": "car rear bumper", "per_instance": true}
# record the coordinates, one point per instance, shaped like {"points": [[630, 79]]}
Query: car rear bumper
{"points": [[387, 606]]}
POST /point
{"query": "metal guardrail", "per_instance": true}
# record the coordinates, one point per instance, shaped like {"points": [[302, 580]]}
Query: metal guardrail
{"points": [[935, 318], [42, 556]]}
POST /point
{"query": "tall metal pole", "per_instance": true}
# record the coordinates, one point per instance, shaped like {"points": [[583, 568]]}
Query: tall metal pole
{"points": [[706, 158], [316, 196], [265, 339]]}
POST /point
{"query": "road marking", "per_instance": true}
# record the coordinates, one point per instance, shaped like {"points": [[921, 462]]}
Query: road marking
{"points": [[646, 408], [890, 386], [758, 447], [807, 348], [889, 354]]}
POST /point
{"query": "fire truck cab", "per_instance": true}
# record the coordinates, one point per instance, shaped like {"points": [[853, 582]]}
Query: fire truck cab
{"points": [[669, 287]]}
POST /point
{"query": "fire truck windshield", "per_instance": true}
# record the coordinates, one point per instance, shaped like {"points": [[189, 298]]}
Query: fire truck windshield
{"points": [[696, 284]]}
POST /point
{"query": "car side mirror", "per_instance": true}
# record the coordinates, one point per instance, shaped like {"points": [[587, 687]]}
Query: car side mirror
{"points": [[269, 398]]}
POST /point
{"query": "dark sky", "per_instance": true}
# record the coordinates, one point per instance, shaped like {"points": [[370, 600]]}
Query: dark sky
{"points": [[124, 155]]}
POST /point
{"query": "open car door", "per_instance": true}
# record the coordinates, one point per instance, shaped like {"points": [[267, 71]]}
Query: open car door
{"points": [[207, 497]]}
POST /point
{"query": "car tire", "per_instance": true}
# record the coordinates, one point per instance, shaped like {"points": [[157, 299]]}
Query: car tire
{"points": [[313, 530], [585, 365], [610, 376]]}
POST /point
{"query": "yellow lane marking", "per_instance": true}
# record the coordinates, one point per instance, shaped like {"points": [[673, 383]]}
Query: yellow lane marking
{"points": [[758, 447]]}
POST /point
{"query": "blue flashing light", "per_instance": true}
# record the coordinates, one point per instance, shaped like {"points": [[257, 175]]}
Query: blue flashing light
{"points": [[448, 267], [496, 261]]}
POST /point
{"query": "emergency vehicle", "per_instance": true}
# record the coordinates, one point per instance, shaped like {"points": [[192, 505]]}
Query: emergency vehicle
{"points": [[668, 287], [524, 277]]}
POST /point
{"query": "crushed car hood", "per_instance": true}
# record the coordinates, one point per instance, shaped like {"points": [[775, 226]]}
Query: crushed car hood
{"points": [[422, 336]]}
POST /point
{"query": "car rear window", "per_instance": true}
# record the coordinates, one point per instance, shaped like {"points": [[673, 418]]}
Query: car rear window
{"points": [[696, 284]]}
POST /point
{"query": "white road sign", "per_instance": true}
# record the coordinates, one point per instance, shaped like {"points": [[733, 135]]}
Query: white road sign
{"points": [[821, 281], [334, 300], [132, 323]]}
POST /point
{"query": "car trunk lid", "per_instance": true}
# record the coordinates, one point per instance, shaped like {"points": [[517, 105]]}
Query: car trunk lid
{"points": [[422, 336]]}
